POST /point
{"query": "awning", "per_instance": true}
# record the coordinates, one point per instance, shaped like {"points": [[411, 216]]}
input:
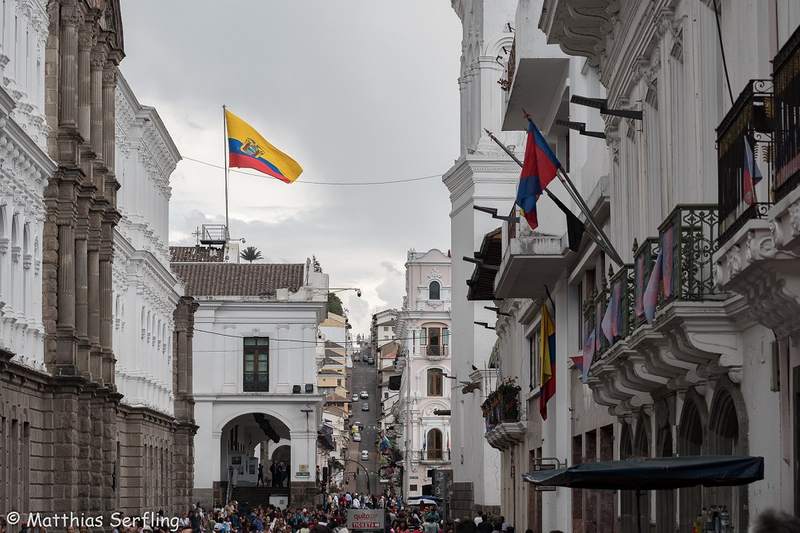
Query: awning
{"points": [[654, 473]]}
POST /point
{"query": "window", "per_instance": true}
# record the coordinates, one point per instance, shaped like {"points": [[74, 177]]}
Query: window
{"points": [[435, 379], [436, 338], [256, 364], [535, 358], [434, 290], [433, 443]]}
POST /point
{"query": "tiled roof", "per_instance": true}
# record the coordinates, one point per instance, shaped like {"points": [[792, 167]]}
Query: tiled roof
{"points": [[196, 254], [236, 279]]}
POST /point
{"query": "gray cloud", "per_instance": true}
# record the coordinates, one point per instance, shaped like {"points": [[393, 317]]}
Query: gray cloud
{"points": [[353, 89]]}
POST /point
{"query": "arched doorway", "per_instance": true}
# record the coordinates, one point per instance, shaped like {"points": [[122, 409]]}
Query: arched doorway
{"points": [[665, 499], [725, 439], [627, 499], [241, 441], [690, 442], [641, 448]]}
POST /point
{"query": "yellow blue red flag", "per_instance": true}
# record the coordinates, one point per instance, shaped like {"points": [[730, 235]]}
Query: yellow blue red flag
{"points": [[547, 352], [248, 149]]}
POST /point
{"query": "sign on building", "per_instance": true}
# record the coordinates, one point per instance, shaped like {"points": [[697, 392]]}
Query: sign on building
{"points": [[365, 519]]}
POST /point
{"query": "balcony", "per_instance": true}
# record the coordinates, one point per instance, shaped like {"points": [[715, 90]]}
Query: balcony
{"points": [[759, 258], [501, 412], [528, 255], [786, 78], [434, 351], [535, 75], [749, 121], [435, 456], [692, 335]]}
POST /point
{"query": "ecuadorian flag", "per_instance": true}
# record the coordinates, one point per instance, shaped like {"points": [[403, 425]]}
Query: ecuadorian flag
{"points": [[248, 149], [547, 353]]}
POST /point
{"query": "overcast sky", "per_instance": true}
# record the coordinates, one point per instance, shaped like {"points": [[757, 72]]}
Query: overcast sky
{"points": [[354, 90]]}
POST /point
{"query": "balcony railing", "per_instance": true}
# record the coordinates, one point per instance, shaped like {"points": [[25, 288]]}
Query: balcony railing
{"points": [[786, 78], [620, 290], [644, 257], [689, 238], [436, 350], [434, 455], [749, 125], [502, 405], [511, 67]]}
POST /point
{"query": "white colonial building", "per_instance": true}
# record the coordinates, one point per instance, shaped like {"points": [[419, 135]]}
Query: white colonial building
{"points": [[660, 160], [146, 292], [255, 373], [482, 176], [24, 171], [423, 325]]}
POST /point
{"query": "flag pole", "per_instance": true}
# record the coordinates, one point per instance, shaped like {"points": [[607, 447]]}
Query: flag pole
{"points": [[601, 239], [225, 163]]}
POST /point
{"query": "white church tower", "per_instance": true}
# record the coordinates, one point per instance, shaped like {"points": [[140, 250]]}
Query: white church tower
{"points": [[482, 176]]}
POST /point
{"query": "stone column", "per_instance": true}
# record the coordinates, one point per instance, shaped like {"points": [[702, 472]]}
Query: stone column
{"points": [[66, 297], [98, 62], [82, 286], [68, 63], [109, 133], [106, 302], [85, 43], [94, 295]]}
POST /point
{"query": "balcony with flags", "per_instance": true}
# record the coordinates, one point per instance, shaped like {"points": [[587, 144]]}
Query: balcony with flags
{"points": [[662, 321], [759, 173]]}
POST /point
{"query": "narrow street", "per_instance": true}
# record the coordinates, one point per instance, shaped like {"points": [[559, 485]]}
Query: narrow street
{"points": [[364, 378]]}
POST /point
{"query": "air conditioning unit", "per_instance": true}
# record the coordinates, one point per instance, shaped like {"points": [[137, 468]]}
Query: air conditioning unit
{"points": [[295, 389], [309, 388]]}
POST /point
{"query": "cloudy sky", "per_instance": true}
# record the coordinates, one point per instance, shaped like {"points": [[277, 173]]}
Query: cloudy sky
{"points": [[354, 90]]}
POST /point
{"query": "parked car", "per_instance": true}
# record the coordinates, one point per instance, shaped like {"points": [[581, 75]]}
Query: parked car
{"points": [[365, 406], [364, 395], [355, 397], [364, 455], [357, 437], [371, 360]]}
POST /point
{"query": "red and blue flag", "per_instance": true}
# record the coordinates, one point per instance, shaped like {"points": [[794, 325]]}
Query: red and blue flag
{"points": [[751, 175], [539, 168]]}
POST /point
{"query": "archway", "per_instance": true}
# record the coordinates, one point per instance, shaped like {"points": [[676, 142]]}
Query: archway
{"points": [[627, 498], [690, 442], [725, 438], [641, 448], [240, 438], [665, 499]]}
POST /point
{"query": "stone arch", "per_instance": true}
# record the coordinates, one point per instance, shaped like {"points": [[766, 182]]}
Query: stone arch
{"points": [[727, 430], [246, 410], [627, 499], [691, 442]]}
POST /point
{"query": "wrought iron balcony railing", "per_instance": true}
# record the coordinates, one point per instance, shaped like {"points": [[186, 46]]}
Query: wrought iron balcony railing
{"points": [[689, 237], [687, 241], [502, 406], [436, 350], [748, 126], [786, 78]]}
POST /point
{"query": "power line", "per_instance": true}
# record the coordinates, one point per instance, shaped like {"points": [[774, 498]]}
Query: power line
{"points": [[310, 182]]}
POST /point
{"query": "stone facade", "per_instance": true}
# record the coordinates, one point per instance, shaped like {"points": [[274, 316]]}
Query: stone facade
{"points": [[70, 442]]}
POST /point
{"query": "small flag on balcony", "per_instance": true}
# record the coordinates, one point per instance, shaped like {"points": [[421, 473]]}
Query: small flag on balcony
{"points": [[547, 351], [751, 174], [668, 249], [589, 349], [650, 299], [577, 362], [611, 318], [538, 169], [638, 307]]}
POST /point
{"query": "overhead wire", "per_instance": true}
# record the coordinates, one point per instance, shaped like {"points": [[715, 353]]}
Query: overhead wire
{"points": [[312, 182]]}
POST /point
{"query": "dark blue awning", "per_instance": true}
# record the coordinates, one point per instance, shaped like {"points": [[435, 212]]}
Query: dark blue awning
{"points": [[654, 473]]}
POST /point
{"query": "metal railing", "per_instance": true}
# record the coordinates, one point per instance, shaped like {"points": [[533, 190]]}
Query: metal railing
{"points": [[786, 78], [644, 257], [436, 350], [431, 455], [689, 238], [748, 126]]}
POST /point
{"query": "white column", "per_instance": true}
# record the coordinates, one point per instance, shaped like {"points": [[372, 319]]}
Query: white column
{"points": [[304, 453]]}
